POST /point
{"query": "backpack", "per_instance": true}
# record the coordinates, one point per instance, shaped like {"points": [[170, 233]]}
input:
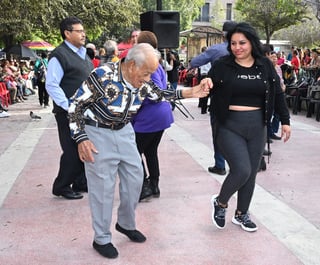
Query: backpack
{"points": [[41, 73]]}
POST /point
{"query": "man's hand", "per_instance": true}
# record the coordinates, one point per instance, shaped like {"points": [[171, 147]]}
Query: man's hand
{"points": [[86, 150], [203, 89]]}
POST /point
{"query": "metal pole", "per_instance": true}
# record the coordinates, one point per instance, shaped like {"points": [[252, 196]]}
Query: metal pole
{"points": [[159, 4]]}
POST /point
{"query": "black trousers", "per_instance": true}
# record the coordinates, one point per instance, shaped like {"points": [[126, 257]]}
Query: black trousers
{"points": [[71, 171], [42, 93], [147, 144], [203, 102]]}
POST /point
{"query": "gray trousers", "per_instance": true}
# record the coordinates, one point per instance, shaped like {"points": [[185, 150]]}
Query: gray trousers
{"points": [[117, 155]]}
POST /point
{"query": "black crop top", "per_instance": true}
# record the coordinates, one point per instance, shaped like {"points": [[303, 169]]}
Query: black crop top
{"points": [[248, 88]]}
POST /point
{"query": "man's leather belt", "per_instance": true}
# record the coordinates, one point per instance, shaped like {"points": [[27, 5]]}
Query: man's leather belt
{"points": [[112, 126]]}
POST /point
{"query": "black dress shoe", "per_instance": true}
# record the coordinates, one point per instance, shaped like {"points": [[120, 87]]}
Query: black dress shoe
{"points": [[134, 235], [78, 189], [69, 194], [107, 250], [215, 170], [275, 137]]}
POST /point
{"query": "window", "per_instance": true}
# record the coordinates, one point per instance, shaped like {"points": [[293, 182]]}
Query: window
{"points": [[204, 14], [229, 12]]}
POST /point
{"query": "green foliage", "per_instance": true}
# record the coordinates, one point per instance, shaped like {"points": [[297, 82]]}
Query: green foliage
{"points": [[272, 15], [29, 19], [39, 19], [304, 34]]}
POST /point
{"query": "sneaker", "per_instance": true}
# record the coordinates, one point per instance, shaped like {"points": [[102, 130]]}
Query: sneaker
{"points": [[218, 213], [4, 114], [245, 222]]}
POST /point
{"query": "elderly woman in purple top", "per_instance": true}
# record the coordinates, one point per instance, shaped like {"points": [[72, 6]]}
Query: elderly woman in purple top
{"points": [[149, 124]]}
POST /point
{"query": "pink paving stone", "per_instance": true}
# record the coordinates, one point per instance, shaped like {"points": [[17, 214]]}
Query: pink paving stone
{"points": [[37, 228]]}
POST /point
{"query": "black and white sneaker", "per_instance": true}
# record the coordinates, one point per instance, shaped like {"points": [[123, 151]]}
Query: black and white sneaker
{"points": [[218, 213], [245, 222]]}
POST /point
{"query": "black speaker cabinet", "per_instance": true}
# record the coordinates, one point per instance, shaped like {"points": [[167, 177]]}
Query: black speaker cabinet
{"points": [[165, 25]]}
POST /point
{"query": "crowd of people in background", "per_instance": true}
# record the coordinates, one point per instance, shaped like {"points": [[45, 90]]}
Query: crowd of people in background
{"points": [[300, 59], [18, 77], [21, 77]]}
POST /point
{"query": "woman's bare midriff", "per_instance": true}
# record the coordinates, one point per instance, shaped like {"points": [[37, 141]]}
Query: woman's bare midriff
{"points": [[242, 108]]}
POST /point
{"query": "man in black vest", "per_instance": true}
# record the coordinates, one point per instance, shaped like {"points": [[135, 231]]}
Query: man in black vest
{"points": [[68, 67]]}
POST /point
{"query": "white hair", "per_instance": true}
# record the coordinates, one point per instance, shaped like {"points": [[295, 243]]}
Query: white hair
{"points": [[110, 46], [141, 52]]}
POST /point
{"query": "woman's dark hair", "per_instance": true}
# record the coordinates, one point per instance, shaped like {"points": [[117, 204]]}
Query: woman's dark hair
{"points": [[250, 33], [90, 53], [67, 24]]}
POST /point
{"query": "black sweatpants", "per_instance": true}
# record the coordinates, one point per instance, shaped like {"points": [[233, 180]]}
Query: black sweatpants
{"points": [[241, 140]]}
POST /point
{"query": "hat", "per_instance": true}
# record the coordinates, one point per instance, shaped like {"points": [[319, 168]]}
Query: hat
{"points": [[228, 25]]}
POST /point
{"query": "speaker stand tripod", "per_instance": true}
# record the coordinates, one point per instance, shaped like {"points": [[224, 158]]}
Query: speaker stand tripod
{"points": [[176, 103]]}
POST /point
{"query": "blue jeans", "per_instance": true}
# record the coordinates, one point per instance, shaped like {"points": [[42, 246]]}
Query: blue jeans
{"points": [[174, 85], [275, 122], [218, 158], [273, 125]]}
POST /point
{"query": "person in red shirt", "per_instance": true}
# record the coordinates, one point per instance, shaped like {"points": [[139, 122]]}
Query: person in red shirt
{"points": [[124, 47], [295, 62]]}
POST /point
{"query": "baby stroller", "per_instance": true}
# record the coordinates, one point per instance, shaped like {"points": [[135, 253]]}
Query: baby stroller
{"points": [[288, 74]]}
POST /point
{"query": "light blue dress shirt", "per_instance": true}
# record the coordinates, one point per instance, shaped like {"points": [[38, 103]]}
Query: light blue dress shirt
{"points": [[211, 54], [55, 74]]}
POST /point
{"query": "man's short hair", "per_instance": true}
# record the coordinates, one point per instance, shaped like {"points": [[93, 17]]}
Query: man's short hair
{"points": [[228, 25], [67, 23]]}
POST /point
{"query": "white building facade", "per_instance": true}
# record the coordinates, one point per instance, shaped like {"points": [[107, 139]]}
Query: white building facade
{"points": [[215, 13]]}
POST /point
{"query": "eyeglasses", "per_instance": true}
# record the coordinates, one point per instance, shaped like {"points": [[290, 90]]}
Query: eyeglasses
{"points": [[78, 30]]}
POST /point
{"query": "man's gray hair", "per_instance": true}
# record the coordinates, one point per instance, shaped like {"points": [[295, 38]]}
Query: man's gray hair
{"points": [[110, 46], [140, 53], [91, 46]]}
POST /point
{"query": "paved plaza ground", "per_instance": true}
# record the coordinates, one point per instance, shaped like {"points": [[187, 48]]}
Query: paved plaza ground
{"points": [[39, 228]]}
